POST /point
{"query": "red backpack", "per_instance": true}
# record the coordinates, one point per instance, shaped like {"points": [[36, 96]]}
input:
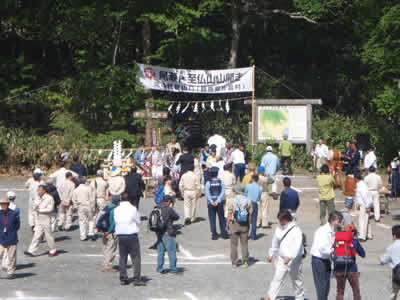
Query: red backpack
{"points": [[344, 252]]}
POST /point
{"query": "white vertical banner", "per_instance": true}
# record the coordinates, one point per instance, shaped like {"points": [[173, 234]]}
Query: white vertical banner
{"points": [[196, 81]]}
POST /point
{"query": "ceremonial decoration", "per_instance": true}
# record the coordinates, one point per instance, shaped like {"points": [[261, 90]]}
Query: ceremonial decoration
{"points": [[196, 81]]}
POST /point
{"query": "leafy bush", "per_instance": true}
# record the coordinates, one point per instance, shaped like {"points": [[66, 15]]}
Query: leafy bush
{"points": [[105, 140]]}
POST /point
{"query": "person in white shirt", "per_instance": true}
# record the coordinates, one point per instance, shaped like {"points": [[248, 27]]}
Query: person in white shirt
{"points": [[239, 163], [218, 141], [82, 199], [374, 183], [32, 185], [370, 159], [321, 251], [127, 221], [219, 163], [59, 175], [287, 247], [364, 200], [322, 151]]}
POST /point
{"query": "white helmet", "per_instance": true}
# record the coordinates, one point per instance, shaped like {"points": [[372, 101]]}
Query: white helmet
{"points": [[11, 195]]}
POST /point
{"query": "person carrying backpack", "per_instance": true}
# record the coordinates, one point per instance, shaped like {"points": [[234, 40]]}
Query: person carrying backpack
{"points": [[161, 220], [238, 222], [344, 259], [105, 224], [288, 248]]}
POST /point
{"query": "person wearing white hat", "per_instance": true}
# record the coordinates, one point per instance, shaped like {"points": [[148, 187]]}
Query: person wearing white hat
{"points": [[44, 209], [9, 226], [32, 185], [270, 162], [83, 199]]}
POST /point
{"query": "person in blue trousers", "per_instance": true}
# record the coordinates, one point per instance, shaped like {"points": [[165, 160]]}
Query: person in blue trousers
{"points": [[253, 193], [166, 241], [215, 193]]}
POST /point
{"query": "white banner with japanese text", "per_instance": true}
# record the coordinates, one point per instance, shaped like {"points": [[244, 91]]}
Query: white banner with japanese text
{"points": [[196, 81]]}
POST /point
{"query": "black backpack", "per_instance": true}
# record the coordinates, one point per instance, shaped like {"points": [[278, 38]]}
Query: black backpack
{"points": [[52, 191], [156, 222]]}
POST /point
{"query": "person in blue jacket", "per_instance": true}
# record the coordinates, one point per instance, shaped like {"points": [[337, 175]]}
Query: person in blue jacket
{"points": [[349, 272], [215, 192], [9, 226]]}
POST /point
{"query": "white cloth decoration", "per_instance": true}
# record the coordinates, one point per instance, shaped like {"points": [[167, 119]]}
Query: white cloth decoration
{"points": [[178, 108], [196, 108], [100, 152], [220, 105], [203, 107], [186, 107], [170, 107], [227, 108], [212, 106]]}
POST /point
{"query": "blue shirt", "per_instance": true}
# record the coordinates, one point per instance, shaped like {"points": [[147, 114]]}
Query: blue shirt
{"points": [[253, 192], [392, 255], [11, 221], [221, 195], [289, 200], [203, 157], [353, 268], [270, 162], [138, 157]]}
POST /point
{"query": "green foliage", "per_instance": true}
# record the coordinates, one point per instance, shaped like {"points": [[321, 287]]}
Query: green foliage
{"points": [[105, 140]]}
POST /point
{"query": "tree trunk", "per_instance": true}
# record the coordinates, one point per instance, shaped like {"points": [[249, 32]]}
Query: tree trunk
{"points": [[146, 32], [235, 33]]}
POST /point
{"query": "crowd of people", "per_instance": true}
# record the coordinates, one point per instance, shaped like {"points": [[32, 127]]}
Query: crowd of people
{"points": [[238, 193]]}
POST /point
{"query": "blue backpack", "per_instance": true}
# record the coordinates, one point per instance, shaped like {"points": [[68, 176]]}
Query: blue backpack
{"points": [[242, 213], [159, 194], [103, 219]]}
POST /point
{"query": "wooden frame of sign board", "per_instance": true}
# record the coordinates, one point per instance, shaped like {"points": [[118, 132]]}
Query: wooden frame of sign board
{"points": [[305, 103]]}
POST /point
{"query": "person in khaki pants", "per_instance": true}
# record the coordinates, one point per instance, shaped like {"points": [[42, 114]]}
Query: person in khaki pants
{"points": [[374, 184], [65, 190], [229, 180], [239, 230], [44, 210], [262, 218], [190, 187], [9, 226], [82, 198]]}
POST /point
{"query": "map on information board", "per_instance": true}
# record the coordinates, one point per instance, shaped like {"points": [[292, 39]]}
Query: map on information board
{"points": [[276, 121]]}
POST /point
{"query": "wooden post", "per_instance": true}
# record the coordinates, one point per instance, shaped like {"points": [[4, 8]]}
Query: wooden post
{"points": [[149, 110], [253, 107]]}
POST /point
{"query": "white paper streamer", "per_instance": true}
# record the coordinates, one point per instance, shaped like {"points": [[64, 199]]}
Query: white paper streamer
{"points": [[100, 152], [196, 108], [227, 107], [170, 108], [178, 108], [220, 105], [186, 107], [130, 153], [203, 107], [212, 106]]}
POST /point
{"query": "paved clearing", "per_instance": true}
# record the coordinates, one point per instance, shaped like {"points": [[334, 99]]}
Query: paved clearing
{"points": [[75, 273]]}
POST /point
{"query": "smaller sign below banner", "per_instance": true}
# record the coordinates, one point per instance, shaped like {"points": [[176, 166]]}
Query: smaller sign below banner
{"points": [[152, 115]]}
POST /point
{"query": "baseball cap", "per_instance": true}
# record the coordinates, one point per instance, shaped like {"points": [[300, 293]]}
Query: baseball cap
{"points": [[11, 195], [260, 169], [37, 171]]}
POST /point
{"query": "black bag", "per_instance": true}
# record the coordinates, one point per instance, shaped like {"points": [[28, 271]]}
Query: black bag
{"points": [[52, 191], [396, 274], [156, 222]]}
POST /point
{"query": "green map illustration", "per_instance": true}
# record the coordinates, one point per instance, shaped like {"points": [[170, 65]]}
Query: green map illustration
{"points": [[273, 123]]}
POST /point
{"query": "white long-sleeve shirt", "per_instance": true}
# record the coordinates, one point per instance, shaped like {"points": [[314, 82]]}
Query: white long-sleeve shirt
{"points": [[292, 244], [321, 150], [127, 219], [373, 181], [237, 157], [324, 238], [82, 197], [218, 141], [46, 205], [65, 190], [370, 160], [363, 195], [59, 175]]}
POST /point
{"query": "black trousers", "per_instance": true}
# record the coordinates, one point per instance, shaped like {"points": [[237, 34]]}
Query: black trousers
{"points": [[288, 161], [129, 245]]}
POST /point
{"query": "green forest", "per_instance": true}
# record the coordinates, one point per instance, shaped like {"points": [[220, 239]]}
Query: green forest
{"points": [[346, 52]]}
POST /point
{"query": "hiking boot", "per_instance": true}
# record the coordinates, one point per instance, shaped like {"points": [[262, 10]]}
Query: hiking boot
{"points": [[188, 222], [124, 282], [10, 276], [52, 254], [246, 264], [139, 282]]}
